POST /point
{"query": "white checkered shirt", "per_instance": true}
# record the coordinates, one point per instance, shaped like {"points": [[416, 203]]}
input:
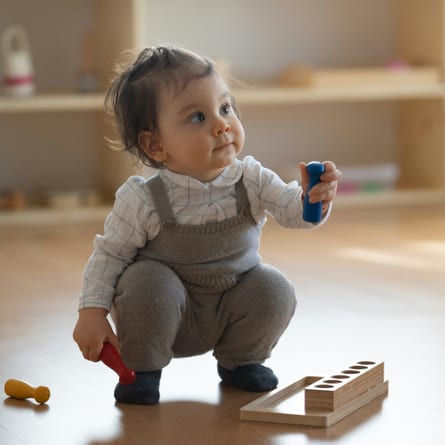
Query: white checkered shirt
{"points": [[134, 221]]}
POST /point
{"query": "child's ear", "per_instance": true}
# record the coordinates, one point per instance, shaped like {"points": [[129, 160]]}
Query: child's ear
{"points": [[151, 146]]}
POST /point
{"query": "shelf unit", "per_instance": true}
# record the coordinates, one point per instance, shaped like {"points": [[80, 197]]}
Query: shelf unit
{"points": [[421, 111]]}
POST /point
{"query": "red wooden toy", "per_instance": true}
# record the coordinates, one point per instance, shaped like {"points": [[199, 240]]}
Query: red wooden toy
{"points": [[112, 359]]}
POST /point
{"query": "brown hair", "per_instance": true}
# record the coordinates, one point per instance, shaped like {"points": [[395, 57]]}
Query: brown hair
{"points": [[133, 97]]}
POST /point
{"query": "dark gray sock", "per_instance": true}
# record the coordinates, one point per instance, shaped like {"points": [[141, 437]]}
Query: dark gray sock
{"points": [[254, 378], [143, 391]]}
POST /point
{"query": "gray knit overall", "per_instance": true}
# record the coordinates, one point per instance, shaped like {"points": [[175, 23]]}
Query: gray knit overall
{"points": [[196, 288]]}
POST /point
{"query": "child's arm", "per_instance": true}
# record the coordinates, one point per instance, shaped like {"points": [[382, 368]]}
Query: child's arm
{"points": [[127, 228], [269, 194], [92, 330]]}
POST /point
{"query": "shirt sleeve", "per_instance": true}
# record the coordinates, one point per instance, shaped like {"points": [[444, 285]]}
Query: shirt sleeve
{"points": [[127, 229], [269, 194]]}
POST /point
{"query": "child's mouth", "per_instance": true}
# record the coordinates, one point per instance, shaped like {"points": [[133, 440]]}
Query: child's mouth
{"points": [[224, 146]]}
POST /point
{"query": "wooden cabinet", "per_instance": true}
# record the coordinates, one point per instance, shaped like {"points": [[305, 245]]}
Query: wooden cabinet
{"points": [[419, 29]]}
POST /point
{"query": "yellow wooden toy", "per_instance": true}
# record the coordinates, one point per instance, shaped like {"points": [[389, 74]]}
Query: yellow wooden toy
{"points": [[22, 390]]}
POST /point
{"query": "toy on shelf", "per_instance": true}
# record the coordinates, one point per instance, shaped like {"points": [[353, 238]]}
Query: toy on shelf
{"points": [[113, 360], [368, 178], [312, 212], [88, 78], [22, 390], [70, 198], [324, 401], [12, 200], [18, 72]]}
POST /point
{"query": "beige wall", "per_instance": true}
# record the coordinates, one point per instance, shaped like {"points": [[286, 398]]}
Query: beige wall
{"points": [[258, 37], [261, 37]]}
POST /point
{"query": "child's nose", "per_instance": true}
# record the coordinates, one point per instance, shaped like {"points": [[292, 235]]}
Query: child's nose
{"points": [[220, 126]]}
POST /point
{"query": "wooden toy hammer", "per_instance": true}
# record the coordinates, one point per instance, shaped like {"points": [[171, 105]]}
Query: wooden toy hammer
{"points": [[22, 390], [113, 360]]}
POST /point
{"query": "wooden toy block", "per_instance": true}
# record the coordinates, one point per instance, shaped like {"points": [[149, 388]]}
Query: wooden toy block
{"points": [[333, 392], [288, 405]]}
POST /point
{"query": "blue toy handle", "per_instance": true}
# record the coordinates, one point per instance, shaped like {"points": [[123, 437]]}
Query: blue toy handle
{"points": [[312, 212]]}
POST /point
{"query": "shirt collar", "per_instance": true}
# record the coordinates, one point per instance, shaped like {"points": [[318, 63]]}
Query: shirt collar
{"points": [[229, 176]]}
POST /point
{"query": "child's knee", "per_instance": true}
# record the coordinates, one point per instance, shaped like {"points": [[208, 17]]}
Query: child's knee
{"points": [[149, 284], [277, 302], [148, 309], [274, 286], [270, 293], [143, 275]]}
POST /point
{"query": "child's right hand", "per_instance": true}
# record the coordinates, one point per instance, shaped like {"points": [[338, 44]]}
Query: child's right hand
{"points": [[91, 331]]}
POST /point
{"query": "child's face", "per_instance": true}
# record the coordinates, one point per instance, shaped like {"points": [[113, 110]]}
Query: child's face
{"points": [[199, 131]]}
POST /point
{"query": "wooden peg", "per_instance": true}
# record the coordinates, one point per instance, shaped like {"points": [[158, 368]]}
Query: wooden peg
{"points": [[113, 360], [22, 390]]}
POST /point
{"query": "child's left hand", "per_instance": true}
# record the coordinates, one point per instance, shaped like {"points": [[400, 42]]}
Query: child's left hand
{"points": [[326, 190]]}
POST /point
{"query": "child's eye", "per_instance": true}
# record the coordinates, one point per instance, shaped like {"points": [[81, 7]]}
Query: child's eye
{"points": [[226, 109], [198, 117]]}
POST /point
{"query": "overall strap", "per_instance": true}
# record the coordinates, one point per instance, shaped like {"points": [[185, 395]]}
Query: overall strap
{"points": [[160, 198], [241, 195]]}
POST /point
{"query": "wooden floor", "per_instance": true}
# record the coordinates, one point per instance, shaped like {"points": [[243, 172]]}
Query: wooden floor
{"points": [[370, 284]]}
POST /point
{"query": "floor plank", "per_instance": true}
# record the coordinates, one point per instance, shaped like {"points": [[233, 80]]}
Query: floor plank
{"points": [[370, 286]]}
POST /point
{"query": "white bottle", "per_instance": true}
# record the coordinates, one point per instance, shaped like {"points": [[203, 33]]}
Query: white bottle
{"points": [[18, 72]]}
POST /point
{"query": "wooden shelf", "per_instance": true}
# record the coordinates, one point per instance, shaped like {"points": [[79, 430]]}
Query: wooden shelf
{"points": [[43, 217], [391, 198], [52, 102], [255, 95], [288, 95]]}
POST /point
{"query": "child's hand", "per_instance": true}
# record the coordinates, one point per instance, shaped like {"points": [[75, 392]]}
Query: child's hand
{"points": [[325, 190], [91, 331]]}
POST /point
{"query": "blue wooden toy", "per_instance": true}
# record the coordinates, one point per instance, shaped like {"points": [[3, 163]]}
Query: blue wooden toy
{"points": [[312, 211]]}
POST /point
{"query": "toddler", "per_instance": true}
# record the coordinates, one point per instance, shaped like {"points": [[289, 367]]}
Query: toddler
{"points": [[178, 264]]}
